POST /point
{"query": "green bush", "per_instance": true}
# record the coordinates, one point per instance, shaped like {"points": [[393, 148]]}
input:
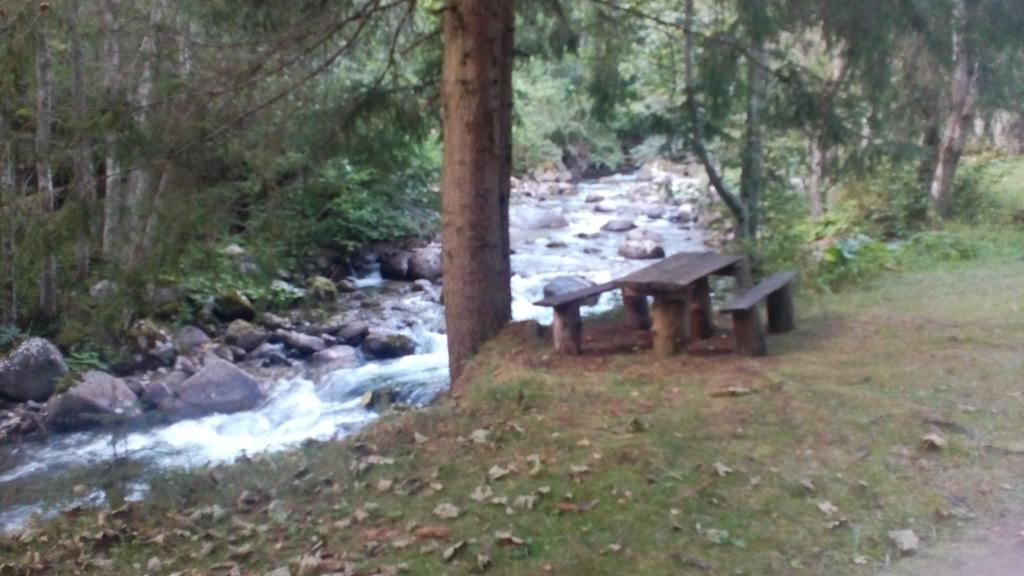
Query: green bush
{"points": [[888, 202], [974, 199], [852, 259], [928, 247]]}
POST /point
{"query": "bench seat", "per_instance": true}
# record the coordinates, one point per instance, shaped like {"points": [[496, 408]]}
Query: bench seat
{"points": [[747, 327]]}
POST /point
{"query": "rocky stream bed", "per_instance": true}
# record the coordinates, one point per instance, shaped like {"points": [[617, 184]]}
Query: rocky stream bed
{"points": [[261, 383]]}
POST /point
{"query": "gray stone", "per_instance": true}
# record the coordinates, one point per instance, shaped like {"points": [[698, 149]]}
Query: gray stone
{"points": [[565, 284], [189, 338], [425, 264], [395, 266], [605, 208], [353, 333], [346, 286], [270, 355], [246, 336], [103, 290], [619, 225], [303, 344], [539, 220], [644, 234], [97, 399], [641, 250], [331, 360], [594, 199], [388, 345], [654, 212], [275, 322], [220, 387], [32, 371], [233, 305], [322, 289], [422, 286]]}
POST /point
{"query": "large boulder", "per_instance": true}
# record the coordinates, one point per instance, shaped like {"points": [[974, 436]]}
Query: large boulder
{"points": [[395, 266], [333, 359], [233, 305], [566, 284], [219, 387], [32, 371], [322, 289], [425, 264], [98, 399], [246, 336], [189, 338], [388, 345], [641, 250], [619, 225], [539, 220]]}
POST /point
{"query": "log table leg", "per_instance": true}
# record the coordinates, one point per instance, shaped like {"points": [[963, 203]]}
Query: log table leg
{"points": [[670, 324], [749, 332], [702, 326], [567, 329], [781, 316], [635, 310]]}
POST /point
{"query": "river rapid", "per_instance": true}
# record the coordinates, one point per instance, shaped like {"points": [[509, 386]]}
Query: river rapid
{"points": [[42, 477]]}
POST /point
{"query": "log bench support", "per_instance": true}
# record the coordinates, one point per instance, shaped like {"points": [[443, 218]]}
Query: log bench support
{"points": [[748, 329], [635, 311], [670, 323], [567, 328]]}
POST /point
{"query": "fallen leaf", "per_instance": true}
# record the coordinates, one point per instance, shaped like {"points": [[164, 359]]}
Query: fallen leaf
{"points": [[507, 539], [497, 473], [450, 552], [481, 493], [446, 511], [483, 562], [432, 532], [860, 560], [932, 442], [722, 469], [906, 541], [479, 436], [420, 438], [827, 508]]}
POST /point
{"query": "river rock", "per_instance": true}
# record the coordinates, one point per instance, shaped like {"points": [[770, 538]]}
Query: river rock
{"points": [[246, 336], [303, 344], [97, 399], [322, 289], [31, 372], [270, 355], [233, 305], [333, 359], [284, 291], [619, 225], [654, 212], [346, 286], [395, 266], [353, 333], [422, 285], [425, 264], [685, 214], [220, 387], [641, 250], [594, 198], [565, 284], [605, 208], [275, 322], [645, 234], [155, 391], [539, 220], [189, 338], [388, 345]]}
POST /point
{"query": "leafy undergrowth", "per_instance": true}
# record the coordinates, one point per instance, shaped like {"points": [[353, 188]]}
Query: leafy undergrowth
{"points": [[619, 463]]}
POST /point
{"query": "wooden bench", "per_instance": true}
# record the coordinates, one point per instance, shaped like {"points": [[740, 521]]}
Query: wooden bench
{"points": [[567, 329], [747, 328]]}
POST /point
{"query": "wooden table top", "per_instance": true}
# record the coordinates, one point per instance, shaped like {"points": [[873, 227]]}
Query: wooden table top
{"points": [[678, 271]]}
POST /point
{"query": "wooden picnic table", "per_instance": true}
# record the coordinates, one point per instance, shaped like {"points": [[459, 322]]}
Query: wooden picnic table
{"points": [[681, 290]]}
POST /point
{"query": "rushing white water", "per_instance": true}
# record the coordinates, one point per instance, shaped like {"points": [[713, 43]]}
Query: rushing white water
{"points": [[297, 410]]}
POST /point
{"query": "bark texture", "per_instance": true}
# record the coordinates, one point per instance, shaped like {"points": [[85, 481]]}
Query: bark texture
{"points": [[113, 201], [84, 181], [959, 121], [8, 268], [476, 89], [44, 169]]}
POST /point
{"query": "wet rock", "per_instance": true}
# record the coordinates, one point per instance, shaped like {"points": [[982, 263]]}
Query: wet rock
{"points": [[189, 338], [32, 371], [395, 266], [149, 346], [644, 234], [156, 391], [97, 399], [588, 235], [346, 286], [605, 208], [654, 212], [220, 387], [246, 336], [322, 289], [233, 305], [425, 264], [353, 333], [566, 284], [557, 244], [270, 355], [619, 225], [641, 250], [594, 199], [284, 290], [422, 286], [385, 345], [539, 220], [275, 322], [302, 344], [685, 214], [331, 360], [592, 251], [18, 423]]}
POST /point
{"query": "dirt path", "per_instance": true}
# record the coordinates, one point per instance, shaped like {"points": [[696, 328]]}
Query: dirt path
{"points": [[995, 551]]}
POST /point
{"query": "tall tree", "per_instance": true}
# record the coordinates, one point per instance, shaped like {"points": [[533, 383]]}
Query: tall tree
{"points": [[960, 118], [84, 180], [44, 169], [113, 201], [8, 221], [476, 87]]}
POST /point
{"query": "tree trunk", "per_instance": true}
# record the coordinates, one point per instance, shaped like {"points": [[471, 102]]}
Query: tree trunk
{"points": [[752, 177], [8, 223], [961, 115], [113, 201], [476, 89], [44, 172], [84, 181], [821, 143]]}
